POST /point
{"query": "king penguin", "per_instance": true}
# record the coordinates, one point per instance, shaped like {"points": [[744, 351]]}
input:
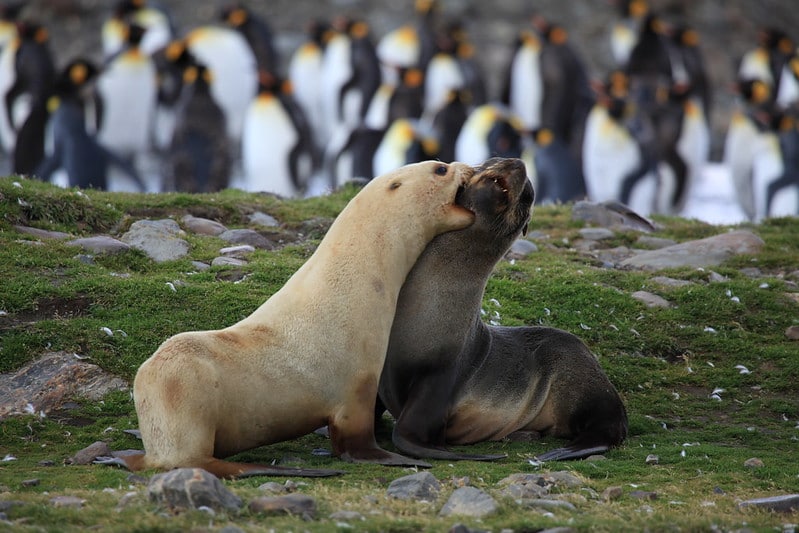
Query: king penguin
{"points": [[29, 62], [404, 142], [304, 72], [128, 87], [226, 53], [74, 149], [155, 19], [560, 178], [257, 32], [490, 130], [782, 194], [199, 157], [277, 148], [625, 32], [524, 90], [411, 45]]}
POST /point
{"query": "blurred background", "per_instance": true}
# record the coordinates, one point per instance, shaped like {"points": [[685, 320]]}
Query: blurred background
{"points": [[557, 83]]}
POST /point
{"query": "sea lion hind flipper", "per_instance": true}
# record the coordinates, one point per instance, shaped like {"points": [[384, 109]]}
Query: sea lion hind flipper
{"points": [[259, 470], [415, 449]]}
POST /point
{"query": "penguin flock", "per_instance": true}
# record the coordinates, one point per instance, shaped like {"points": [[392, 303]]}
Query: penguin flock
{"points": [[220, 105]]}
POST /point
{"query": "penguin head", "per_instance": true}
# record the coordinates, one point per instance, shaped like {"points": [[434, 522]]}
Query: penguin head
{"points": [[504, 139], [31, 31], [134, 33], [687, 37], [316, 30], [234, 14], [543, 137], [754, 91], [358, 29], [75, 76], [635, 9], [426, 7], [268, 83]]}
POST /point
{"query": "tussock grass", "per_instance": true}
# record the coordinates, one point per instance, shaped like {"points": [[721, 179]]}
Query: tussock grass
{"points": [[665, 363]]}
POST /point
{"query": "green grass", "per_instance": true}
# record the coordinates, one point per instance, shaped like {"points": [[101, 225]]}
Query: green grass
{"points": [[664, 362]]}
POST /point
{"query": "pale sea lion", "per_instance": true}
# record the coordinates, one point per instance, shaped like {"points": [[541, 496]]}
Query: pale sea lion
{"points": [[450, 379], [312, 353]]}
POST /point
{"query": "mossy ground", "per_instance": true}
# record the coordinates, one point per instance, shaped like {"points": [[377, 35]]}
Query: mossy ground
{"points": [[665, 363]]}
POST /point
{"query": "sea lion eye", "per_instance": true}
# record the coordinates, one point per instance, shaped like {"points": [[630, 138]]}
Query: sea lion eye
{"points": [[441, 170]]}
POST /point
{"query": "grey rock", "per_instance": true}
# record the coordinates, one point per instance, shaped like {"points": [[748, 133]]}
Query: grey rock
{"points": [[563, 478], [203, 226], [159, 239], [612, 493], [100, 244], [715, 277], [469, 501], [67, 501], [549, 505], [699, 253], [85, 259], [273, 487], [347, 516], [644, 495], [523, 486], [6, 505], [654, 243], [231, 529], [191, 488], [521, 248], [292, 504], [652, 459], [792, 333], [262, 219], [754, 462], [650, 300], [611, 215], [34, 482], [228, 261], [781, 504], [88, 454], [422, 486], [200, 266], [596, 234], [50, 381], [560, 529], [752, 272], [237, 251], [670, 282], [42, 233], [247, 236], [463, 528]]}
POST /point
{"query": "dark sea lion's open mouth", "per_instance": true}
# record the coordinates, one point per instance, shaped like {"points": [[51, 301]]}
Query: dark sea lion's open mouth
{"points": [[500, 187]]}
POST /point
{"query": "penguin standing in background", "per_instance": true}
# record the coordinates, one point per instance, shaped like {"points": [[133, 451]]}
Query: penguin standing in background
{"points": [[560, 178], [411, 45], [357, 92], [257, 32], [170, 63], [25, 100], [624, 35], [567, 97], [741, 140], [156, 21], [766, 62], [689, 54], [788, 90], [129, 89], [443, 75], [9, 13], [277, 147], [199, 157], [304, 72], [74, 149], [612, 157], [693, 145], [226, 53], [473, 79], [524, 88], [337, 70]]}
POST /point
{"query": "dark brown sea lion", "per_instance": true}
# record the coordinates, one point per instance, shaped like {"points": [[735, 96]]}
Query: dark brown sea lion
{"points": [[450, 379]]}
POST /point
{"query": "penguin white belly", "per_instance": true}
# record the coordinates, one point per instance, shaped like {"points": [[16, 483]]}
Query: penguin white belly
{"points": [[443, 75], [336, 71], [755, 66], [739, 154], [788, 90], [526, 89], [399, 48], [376, 117], [471, 146], [158, 33], [768, 166], [304, 71], [128, 88], [622, 41], [267, 139], [609, 154], [8, 134], [235, 75], [392, 151], [694, 143]]}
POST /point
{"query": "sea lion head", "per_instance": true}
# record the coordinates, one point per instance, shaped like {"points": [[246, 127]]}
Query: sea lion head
{"points": [[501, 197], [428, 189]]}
